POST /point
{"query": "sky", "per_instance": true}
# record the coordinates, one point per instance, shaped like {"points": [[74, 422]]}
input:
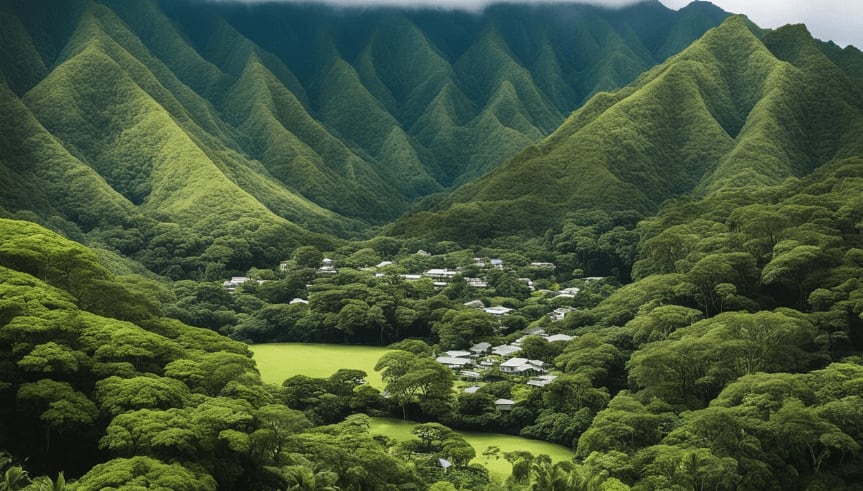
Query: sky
{"points": [[840, 21]]}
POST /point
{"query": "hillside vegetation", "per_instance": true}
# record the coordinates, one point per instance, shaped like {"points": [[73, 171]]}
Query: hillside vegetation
{"points": [[262, 127], [736, 109]]}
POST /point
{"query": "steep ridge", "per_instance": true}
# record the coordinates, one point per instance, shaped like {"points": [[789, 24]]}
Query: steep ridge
{"points": [[731, 110], [283, 121]]}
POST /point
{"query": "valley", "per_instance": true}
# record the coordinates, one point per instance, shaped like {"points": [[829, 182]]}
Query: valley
{"points": [[296, 246]]}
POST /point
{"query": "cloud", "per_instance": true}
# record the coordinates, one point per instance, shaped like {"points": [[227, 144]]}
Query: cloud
{"points": [[470, 5]]}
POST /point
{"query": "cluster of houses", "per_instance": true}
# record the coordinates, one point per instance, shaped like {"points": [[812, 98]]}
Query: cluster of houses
{"points": [[483, 358]]}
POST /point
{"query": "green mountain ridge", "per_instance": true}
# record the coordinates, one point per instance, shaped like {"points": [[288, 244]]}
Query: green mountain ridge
{"points": [[732, 110], [300, 119]]}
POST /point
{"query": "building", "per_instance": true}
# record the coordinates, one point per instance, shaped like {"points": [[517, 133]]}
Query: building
{"points": [[559, 337], [480, 349], [454, 363], [522, 366], [497, 310], [542, 380], [458, 354], [234, 282], [504, 404], [505, 350], [559, 314]]}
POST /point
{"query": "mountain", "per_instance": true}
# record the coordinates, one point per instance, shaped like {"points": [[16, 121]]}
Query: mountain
{"points": [[738, 108], [274, 123]]}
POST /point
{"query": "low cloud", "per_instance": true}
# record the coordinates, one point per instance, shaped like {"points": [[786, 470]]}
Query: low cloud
{"points": [[470, 5]]}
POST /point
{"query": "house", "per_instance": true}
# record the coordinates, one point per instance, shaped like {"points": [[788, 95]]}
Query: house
{"points": [[440, 274], [234, 282], [558, 314], [560, 337], [458, 354], [522, 366], [470, 374], [568, 292], [476, 282], [528, 282], [542, 380], [480, 349], [505, 350], [298, 300], [475, 304], [497, 263], [454, 363], [542, 265], [411, 277], [327, 267], [472, 389], [497, 310], [504, 404], [384, 264]]}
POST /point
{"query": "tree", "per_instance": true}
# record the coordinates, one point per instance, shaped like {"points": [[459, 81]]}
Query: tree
{"points": [[307, 257], [415, 378], [60, 407], [459, 329], [144, 472]]}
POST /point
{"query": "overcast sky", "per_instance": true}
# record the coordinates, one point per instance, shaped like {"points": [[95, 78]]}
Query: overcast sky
{"points": [[838, 20]]}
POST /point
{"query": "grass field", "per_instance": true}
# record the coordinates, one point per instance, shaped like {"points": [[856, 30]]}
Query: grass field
{"points": [[278, 361], [498, 468]]}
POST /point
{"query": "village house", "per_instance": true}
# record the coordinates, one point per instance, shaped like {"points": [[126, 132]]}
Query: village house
{"points": [[504, 404], [559, 314], [327, 267], [497, 310], [454, 363], [505, 350], [522, 366], [559, 337], [480, 349], [541, 381]]}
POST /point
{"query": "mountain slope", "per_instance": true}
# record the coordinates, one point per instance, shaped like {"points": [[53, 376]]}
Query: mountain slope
{"points": [[731, 110], [273, 123]]}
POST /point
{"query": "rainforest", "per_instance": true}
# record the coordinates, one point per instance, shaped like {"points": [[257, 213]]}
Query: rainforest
{"points": [[292, 246]]}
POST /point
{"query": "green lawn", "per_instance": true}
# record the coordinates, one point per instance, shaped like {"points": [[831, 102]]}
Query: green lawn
{"points": [[498, 468], [278, 361]]}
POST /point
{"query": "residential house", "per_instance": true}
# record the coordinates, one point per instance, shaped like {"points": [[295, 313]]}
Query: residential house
{"points": [[559, 314], [458, 354], [479, 349], [454, 363], [559, 337], [522, 366], [498, 310], [542, 380], [504, 404], [505, 350]]}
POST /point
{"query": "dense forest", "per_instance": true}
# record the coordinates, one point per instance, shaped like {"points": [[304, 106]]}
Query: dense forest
{"points": [[682, 253]]}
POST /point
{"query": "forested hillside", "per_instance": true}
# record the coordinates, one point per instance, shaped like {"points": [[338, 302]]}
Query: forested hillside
{"points": [[738, 108], [635, 233], [289, 120]]}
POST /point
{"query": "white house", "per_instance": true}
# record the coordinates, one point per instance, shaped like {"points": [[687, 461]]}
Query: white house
{"points": [[497, 310], [542, 380], [457, 354], [505, 350], [480, 349], [504, 404], [559, 314], [522, 366], [454, 363], [560, 337]]}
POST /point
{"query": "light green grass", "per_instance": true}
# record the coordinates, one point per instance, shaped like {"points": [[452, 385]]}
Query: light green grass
{"points": [[278, 361], [499, 468]]}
